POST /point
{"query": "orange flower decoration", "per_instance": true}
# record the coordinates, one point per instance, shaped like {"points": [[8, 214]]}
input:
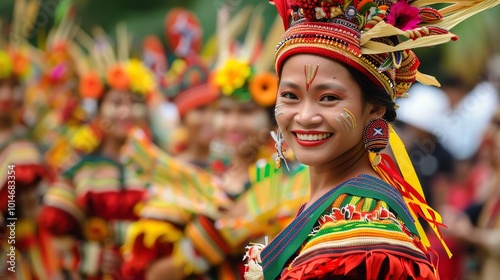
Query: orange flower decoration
{"points": [[263, 88], [21, 64], [91, 86], [118, 78]]}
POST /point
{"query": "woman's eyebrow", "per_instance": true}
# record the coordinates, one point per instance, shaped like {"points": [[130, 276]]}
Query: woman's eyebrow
{"points": [[329, 86], [289, 84]]}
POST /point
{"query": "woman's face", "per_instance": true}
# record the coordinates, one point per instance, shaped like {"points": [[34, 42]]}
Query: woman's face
{"points": [[243, 126], [199, 125], [119, 112], [320, 110]]}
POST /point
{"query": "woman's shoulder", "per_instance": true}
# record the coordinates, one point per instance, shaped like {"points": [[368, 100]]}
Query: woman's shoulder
{"points": [[359, 231]]}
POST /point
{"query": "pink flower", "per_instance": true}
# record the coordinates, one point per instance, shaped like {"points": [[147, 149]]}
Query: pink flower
{"points": [[403, 16]]}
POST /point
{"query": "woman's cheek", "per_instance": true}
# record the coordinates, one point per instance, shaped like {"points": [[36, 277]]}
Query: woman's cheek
{"points": [[278, 108], [258, 122], [108, 111], [218, 120], [139, 111], [346, 120]]}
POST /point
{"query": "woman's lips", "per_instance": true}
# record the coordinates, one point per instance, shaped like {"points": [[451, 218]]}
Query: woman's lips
{"points": [[235, 138], [311, 138], [6, 105]]}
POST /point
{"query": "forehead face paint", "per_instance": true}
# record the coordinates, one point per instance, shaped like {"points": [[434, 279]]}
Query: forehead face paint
{"points": [[278, 110], [346, 120], [310, 72]]}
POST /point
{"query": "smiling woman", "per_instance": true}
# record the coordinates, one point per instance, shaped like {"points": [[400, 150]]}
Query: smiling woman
{"points": [[341, 66]]}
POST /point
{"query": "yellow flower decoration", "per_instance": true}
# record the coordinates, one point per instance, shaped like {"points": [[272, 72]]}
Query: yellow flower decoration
{"points": [[5, 65], [85, 139], [142, 79], [232, 76]]}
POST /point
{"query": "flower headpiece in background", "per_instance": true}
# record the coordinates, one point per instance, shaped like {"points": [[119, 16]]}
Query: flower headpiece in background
{"points": [[242, 70], [115, 70], [14, 62], [16, 55], [239, 80], [374, 37]]}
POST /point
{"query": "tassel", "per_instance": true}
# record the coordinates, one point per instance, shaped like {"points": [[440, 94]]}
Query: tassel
{"points": [[253, 269], [409, 186]]}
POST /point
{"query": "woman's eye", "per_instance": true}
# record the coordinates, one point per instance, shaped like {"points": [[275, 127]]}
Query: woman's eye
{"points": [[328, 98], [289, 95]]}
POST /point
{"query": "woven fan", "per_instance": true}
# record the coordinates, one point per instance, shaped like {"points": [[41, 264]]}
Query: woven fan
{"points": [[184, 185]]}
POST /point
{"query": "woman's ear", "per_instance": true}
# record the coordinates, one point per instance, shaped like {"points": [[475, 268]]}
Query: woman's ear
{"points": [[377, 111]]}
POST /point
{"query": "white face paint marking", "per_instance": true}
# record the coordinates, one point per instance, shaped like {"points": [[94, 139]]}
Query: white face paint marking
{"points": [[278, 111], [347, 120]]}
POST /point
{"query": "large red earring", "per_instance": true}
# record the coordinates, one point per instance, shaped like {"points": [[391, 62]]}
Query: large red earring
{"points": [[376, 137]]}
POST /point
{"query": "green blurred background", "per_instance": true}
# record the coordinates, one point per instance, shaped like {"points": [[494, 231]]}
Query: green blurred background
{"points": [[466, 58]]}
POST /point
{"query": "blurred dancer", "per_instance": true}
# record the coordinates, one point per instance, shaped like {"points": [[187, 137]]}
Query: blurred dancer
{"points": [[25, 249], [196, 111], [91, 206], [210, 245]]}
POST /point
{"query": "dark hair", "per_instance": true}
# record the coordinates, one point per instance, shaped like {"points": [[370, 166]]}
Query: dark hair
{"points": [[374, 94]]}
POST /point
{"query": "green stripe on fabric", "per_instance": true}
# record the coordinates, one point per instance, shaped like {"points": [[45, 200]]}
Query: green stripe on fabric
{"points": [[355, 225]]}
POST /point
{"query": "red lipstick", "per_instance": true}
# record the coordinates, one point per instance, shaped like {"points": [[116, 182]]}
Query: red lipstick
{"points": [[321, 135]]}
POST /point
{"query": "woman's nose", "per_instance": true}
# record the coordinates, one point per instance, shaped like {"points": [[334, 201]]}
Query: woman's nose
{"points": [[307, 115]]}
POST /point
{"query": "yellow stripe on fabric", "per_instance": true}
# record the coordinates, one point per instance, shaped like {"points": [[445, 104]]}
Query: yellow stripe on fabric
{"points": [[367, 204], [204, 244], [404, 163], [357, 241], [360, 232], [354, 201]]}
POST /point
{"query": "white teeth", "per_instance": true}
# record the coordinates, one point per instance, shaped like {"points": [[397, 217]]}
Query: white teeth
{"points": [[313, 137]]}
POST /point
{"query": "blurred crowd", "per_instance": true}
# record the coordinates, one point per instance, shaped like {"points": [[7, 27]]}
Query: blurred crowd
{"points": [[452, 135], [156, 162]]}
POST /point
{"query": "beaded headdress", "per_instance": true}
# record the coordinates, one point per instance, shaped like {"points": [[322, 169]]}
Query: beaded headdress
{"points": [[375, 37]]}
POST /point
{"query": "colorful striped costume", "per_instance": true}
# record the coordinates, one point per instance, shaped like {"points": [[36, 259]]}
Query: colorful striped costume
{"points": [[93, 204], [360, 229], [180, 218], [16, 187]]}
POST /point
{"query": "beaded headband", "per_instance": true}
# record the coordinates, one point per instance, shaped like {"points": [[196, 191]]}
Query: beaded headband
{"points": [[374, 37]]}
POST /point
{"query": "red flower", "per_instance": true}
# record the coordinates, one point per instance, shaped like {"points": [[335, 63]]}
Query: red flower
{"points": [[403, 16]]}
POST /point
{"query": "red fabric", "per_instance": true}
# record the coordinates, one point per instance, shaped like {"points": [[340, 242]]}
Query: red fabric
{"points": [[27, 177], [361, 265], [449, 268], [113, 205], [142, 257], [58, 222], [195, 97]]}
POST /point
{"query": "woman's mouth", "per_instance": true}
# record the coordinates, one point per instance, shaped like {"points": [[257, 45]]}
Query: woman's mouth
{"points": [[311, 138]]}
